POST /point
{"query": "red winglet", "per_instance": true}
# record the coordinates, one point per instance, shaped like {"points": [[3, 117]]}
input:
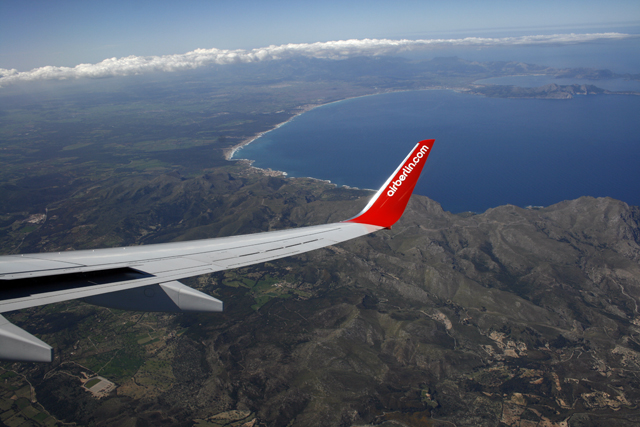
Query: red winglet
{"points": [[389, 203]]}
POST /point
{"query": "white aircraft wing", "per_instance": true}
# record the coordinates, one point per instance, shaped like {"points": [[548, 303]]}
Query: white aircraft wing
{"points": [[146, 277]]}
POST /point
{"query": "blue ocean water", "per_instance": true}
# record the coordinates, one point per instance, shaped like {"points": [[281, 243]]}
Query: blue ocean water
{"points": [[488, 151]]}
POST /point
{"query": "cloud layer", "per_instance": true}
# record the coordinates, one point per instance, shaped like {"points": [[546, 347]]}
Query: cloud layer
{"points": [[342, 49]]}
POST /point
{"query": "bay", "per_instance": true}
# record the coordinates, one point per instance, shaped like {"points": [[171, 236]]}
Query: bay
{"points": [[488, 151]]}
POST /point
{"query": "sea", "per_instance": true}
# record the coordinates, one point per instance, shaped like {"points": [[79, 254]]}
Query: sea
{"points": [[488, 151]]}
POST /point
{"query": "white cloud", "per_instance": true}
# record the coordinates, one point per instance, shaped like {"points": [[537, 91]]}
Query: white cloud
{"points": [[342, 49]]}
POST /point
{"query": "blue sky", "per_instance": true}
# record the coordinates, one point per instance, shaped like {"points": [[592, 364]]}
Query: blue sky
{"points": [[66, 33]]}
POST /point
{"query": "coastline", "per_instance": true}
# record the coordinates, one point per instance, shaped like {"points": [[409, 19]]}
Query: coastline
{"points": [[230, 152]]}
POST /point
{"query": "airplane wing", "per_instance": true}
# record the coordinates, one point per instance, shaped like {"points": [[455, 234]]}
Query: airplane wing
{"points": [[146, 277]]}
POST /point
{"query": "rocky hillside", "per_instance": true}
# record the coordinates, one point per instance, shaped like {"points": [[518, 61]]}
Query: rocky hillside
{"points": [[510, 317]]}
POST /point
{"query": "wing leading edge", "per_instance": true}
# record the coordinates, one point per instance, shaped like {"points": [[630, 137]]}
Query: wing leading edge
{"points": [[146, 277]]}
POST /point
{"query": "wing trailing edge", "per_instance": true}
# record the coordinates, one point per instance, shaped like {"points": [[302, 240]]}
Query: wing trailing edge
{"points": [[146, 278]]}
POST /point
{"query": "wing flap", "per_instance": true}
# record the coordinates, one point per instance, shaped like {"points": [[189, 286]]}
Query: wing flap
{"points": [[173, 297], [158, 267], [18, 266]]}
